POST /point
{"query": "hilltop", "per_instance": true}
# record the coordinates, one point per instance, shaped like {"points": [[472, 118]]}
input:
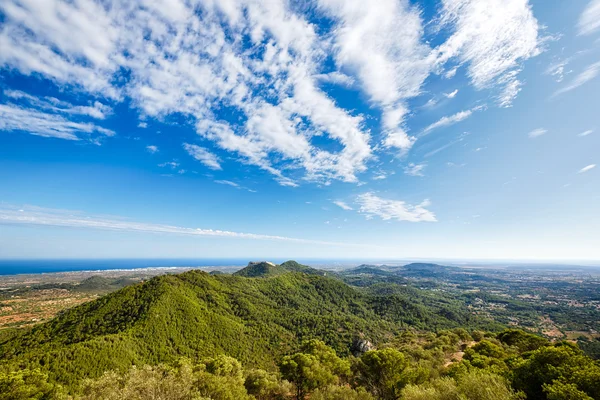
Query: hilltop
{"points": [[260, 269], [267, 268]]}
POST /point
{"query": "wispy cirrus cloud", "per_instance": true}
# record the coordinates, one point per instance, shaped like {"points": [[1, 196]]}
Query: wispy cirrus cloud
{"points": [[342, 205], [28, 215], [234, 185], [493, 38], [171, 164], [372, 205], [558, 70], [203, 155], [51, 117], [451, 120], [586, 133], [589, 73], [96, 110], [413, 169], [587, 168], [40, 123], [537, 133], [451, 95], [589, 21], [228, 183]]}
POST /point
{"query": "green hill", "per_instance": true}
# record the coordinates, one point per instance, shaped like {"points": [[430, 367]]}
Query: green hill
{"points": [[427, 270], [294, 266], [102, 284], [260, 269], [174, 335], [197, 315], [367, 270], [265, 268]]}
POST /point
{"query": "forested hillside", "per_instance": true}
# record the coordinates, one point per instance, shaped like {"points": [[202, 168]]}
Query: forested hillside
{"points": [[278, 334]]}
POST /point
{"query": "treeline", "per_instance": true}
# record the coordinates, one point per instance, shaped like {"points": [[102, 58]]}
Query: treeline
{"points": [[449, 365]]}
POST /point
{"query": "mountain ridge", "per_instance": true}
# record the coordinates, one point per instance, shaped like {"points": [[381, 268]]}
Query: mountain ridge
{"points": [[256, 269]]}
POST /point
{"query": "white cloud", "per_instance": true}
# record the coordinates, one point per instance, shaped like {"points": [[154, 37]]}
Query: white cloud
{"points": [[589, 21], [588, 132], [372, 205], [181, 58], [70, 43], [451, 73], [493, 37], [414, 169], [557, 70], [152, 149], [381, 43], [452, 94], [336, 77], [143, 125], [228, 183], [233, 184], [39, 123], [450, 120], [537, 133], [430, 103], [590, 72], [512, 87], [51, 117], [586, 169], [51, 217], [204, 156], [170, 164], [265, 61], [441, 148], [96, 110], [342, 205]]}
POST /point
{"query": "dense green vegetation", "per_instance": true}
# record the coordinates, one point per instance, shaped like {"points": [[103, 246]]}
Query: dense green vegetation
{"points": [[266, 269], [512, 365], [197, 315], [286, 332], [261, 269]]}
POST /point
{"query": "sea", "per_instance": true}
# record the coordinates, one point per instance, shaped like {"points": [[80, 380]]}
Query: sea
{"points": [[21, 266]]}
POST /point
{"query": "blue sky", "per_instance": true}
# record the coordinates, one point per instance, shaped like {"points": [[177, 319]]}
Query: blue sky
{"points": [[434, 129]]}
